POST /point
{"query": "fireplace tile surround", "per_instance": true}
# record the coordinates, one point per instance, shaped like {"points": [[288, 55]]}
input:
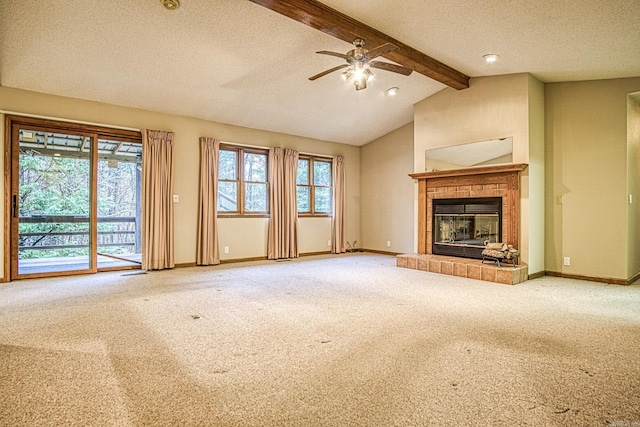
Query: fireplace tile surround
{"points": [[490, 181]]}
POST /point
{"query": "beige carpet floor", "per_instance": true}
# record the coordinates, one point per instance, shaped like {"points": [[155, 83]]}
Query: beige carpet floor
{"points": [[346, 340]]}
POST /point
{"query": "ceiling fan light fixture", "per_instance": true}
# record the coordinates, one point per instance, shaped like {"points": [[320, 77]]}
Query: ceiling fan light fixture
{"points": [[367, 74], [359, 63], [490, 58]]}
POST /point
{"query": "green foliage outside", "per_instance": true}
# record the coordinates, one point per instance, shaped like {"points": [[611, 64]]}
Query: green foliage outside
{"points": [[60, 186], [254, 177], [321, 186], [311, 173]]}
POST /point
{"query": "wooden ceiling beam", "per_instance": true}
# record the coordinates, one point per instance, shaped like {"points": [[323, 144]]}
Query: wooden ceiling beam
{"points": [[343, 27]]}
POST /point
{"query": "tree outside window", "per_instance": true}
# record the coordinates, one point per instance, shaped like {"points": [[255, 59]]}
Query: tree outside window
{"points": [[242, 185], [314, 186], [255, 182]]}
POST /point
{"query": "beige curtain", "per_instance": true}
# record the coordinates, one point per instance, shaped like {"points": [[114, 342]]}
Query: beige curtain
{"points": [[290, 222], [276, 204], [339, 236], [283, 224], [207, 250], [157, 203]]}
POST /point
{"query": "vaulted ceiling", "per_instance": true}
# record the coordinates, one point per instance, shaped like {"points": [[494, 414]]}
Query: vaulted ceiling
{"points": [[236, 62]]}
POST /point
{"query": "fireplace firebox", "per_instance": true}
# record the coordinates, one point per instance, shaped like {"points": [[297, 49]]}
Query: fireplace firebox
{"points": [[463, 226]]}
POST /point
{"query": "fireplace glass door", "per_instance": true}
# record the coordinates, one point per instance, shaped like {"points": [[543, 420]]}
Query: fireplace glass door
{"points": [[475, 230], [463, 227]]}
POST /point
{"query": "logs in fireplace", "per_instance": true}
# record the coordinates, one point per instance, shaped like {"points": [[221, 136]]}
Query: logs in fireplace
{"points": [[463, 226]]}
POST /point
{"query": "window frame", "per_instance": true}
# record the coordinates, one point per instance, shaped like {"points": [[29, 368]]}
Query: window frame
{"points": [[241, 211], [312, 187]]}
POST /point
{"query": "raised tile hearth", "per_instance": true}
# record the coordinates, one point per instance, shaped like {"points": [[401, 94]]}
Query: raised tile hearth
{"points": [[464, 267]]}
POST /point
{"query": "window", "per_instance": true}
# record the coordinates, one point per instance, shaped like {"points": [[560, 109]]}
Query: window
{"points": [[242, 181], [314, 186]]}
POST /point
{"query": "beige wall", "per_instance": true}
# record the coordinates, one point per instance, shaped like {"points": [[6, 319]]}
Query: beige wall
{"points": [[586, 165], [4, 194], [245, 237], [492, 107], [633, 183], [387, 212], [533, 181]]}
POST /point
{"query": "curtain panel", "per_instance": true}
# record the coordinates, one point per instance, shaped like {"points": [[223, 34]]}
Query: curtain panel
{"points": [[207, 252], [283, 204], [157, 203], [338, 226], [290, 223], [276, 178]]}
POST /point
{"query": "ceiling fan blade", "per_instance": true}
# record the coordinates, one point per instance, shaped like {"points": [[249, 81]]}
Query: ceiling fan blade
{"points": [[330, 21], [339, 55], [330, 70], [381, 50], [390, 67]]}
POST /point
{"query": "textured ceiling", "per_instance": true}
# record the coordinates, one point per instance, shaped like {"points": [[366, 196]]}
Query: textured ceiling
{"points": [[233, 61]]}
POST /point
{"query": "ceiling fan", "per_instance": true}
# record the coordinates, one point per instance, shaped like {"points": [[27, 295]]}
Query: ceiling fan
{"points": [[359, 63], [337, 24]]}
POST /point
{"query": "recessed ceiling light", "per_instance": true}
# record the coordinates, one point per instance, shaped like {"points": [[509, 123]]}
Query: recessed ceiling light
{"points": [[392, 91], [490, 58], [170, 4]]}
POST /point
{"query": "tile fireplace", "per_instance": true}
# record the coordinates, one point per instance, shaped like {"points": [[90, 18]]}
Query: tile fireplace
{"points": [[468, 207], [461, 210]]}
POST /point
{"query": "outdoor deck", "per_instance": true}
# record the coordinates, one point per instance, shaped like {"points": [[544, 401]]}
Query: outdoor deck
{"points": [[48, 265]]}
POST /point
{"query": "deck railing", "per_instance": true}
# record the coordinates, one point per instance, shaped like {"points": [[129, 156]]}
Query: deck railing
{"points": [[54, 237]]}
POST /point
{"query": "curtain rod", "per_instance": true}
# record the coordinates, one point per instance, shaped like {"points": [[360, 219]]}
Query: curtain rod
{"points": [[80, 122]]}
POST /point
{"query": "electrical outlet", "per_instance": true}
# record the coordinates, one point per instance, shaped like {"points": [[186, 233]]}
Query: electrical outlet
{"points": [[176, 198], [567, 261], [388, 243], [226, 249], [328, 242]]}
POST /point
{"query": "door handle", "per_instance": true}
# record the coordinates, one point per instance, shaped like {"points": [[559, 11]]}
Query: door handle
{"points": [[15, 206]]}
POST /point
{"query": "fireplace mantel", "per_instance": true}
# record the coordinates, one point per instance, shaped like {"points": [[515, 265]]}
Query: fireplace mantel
{"points": [[487, 181], [470, 171]]}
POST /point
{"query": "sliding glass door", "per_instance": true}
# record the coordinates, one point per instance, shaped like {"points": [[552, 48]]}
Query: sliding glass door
{"points": [[75, 199], [119, 204], [52, 204]]}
